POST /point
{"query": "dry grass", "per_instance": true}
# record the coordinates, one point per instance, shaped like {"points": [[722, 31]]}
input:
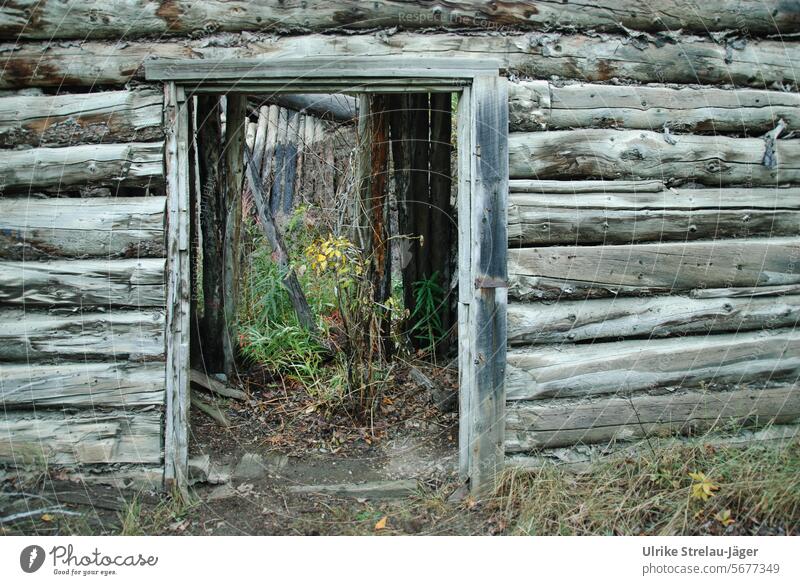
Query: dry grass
{"points": [[758, 493]]}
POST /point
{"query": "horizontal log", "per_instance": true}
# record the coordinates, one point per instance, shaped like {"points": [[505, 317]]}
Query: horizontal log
{"points": [[616, 154], [538, 105], [81, 118], [142, 478], [579, 458], [135, 163], [532, 426], [588, 58], [613, 319], [29, 19], [35, 336], [748, 291], [576, 272], [629, 366], [81, 385], [64, 438], [80, 228], [84, 283], [578, 187], [676, 214], [338, 107]]}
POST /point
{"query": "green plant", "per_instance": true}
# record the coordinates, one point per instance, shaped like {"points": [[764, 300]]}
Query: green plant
{"points": [[427, 323]]}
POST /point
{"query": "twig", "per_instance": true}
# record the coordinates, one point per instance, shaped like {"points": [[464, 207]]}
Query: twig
{"points": [[29, 513], [215, 386]]}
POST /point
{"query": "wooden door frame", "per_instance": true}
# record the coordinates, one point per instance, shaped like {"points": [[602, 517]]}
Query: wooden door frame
{"points": [[482, 134]]}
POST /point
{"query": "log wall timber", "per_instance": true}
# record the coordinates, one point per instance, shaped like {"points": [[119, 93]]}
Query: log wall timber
{"points": [[710, 160], [69, 227], [82, 118], [134, 163], [567, 272], [33, 336], [120, 283], [530, 426], [29, 19], [675, 214], [668, 316], [631, 366], [81, 385], [591, 58], [63, 438], [539, 105]]}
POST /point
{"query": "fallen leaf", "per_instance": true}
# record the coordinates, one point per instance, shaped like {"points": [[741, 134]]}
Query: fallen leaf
{"points": [[47, 518], [381, 524], [724, 518], [703, 488]]}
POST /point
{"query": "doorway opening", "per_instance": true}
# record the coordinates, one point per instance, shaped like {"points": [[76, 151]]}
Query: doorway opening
{"points": [[391, 203]]}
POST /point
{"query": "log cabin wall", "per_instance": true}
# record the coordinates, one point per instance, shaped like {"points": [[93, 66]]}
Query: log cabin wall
{"points": [[664, 295], [82, 291]]}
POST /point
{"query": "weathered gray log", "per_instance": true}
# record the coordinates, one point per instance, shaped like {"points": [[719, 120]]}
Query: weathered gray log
{"points": [[81, 385], [34, 336], [215, 386], [267, 222], [63, 438], [27, 19], [118, 283], [612, 319], [100, 226], [572, 187], [676, 214], [538, 105], [66, 119], [135, 163], [758, 63], [629, 366], [533, 426], [614, 154], [336, 106], [596, 271]]}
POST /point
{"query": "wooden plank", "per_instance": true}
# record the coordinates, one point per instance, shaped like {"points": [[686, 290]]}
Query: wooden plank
{"points": [[578, 187], [466, 371], [538, 105], [35, 336], [63, 438], [233, 165], [342, 70], [532, 426], [676, 214], [81, 385], [589, 58], [576, 272], [116, 283], [80, 228], [25, 19], [613, 319], [614, 154], [629, 366], [82, 118], [176, 472], [487, 327], [135, 163]]}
